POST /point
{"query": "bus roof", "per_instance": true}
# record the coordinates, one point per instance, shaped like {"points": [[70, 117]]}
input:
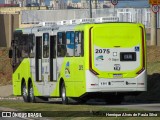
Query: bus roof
{"points": [[35, 29]]}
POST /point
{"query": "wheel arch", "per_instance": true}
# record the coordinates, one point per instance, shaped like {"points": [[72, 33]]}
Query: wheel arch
{"points": [[60, 84], [22, 82]]}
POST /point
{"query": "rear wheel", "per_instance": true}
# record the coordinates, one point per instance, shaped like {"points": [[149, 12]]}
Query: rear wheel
{"points": [[33, 98], [31, 93], [63, 94], [24, 92]]}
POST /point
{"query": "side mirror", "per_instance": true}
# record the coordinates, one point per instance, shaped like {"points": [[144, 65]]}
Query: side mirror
{"points": [[10, 53]]}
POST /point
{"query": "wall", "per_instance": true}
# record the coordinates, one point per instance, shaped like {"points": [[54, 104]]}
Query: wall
{"points": [[140, 15], [9, 10], [5, 28], [8, 23], [148, 36], [158, 37]]}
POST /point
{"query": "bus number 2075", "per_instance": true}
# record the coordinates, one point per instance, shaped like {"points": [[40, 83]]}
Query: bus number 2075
{"points": [[107, 51]]}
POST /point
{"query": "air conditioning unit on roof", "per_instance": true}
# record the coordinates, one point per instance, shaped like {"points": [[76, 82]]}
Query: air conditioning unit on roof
{"points": [[106, 19], [47, 23]]}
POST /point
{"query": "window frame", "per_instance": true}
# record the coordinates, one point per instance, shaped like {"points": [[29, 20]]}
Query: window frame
{"points": [[63, 43], [24, 46], [33, 45], [81, 42], [71, 43]]}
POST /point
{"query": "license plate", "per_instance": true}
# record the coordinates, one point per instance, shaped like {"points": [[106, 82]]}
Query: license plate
{"points": [[127, 56], [117, 76]]}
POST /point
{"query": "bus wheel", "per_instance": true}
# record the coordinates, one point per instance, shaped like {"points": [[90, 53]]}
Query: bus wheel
{"points": [[31, 93], [24, 92], [63, 94]]}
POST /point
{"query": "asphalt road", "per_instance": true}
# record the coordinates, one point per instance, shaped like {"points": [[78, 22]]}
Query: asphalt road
{"points": [[137, 106]]}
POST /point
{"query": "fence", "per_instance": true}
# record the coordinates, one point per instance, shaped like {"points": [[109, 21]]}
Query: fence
{"points": [[141, 15]]}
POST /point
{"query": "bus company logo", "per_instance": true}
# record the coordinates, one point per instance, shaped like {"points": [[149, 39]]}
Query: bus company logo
{"points": [[99, 58], [67, 70], [117, 67], [136, 49]]}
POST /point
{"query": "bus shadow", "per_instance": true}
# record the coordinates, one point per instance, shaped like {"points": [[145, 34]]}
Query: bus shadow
{"points": [[152, 95]]}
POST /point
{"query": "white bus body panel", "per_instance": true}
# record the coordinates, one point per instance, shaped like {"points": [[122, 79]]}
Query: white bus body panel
{"points": [[95, 84]]}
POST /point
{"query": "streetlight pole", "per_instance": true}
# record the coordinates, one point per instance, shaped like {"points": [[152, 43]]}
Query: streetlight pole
{"points": [[90, 8], [96, 4], [153, 28]]}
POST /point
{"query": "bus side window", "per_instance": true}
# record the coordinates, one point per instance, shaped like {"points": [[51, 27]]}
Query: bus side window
{"points": [[70, 43], [45, 45], [24, 46], [61, 44], [18, 47], [53, 48], [31, 45], [82, 44], [77, 50], [78, 43]]}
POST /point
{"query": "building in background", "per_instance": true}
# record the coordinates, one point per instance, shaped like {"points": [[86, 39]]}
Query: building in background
{"points": [[80, 4], [22, 3], [35, 2], [5, 1], [58, 4]]}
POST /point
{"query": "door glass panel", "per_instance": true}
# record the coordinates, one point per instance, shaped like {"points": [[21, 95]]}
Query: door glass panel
{"points": [[45, 45]]}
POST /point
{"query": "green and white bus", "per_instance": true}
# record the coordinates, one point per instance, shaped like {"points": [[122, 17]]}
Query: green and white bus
{"points": [[79, 61]]}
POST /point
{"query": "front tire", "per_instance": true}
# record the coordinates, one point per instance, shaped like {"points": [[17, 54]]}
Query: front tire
{"points": [[24, 92], [63, 94]]}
